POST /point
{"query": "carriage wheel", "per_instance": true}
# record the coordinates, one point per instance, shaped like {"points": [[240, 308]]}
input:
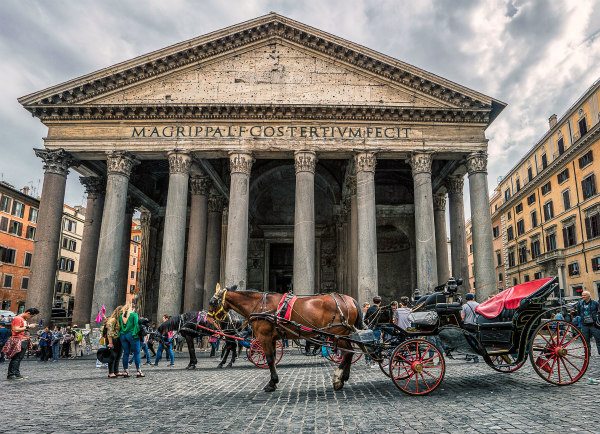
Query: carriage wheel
{"points": [[256, 355], [337, 355], [506, 363], [559, 353], [384, 363], [417, 367]]}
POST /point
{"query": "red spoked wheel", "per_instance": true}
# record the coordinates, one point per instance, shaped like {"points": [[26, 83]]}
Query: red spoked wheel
{"points": [[336, 355], [559, 353], [256, 355], [417, 367], [506, 363]]}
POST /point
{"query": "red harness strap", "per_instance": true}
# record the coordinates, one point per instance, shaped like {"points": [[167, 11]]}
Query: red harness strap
{"points": [[285, 306]]}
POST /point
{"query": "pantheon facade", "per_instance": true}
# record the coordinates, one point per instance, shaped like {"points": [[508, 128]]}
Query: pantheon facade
{"points": [[270, 155]]}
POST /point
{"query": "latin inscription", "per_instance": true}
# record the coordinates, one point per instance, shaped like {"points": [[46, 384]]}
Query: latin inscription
{"points": [[261, 131]]}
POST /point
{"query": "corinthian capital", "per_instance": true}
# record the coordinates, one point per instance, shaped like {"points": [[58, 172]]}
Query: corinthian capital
{"points": [[305, 161], [240, 162], [94, 185], [477, 162], [420, 162], [439, 201], [57, 161], [215, 202], [365, 162], [200, 185], [179, 162], [120, 162], [454, 184]]}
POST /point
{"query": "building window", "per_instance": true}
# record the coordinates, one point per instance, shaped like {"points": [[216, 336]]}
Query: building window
{"points": [[551, 242], [498, 258], [509, 216], [136, 238], [7, 255], [66, 264], [131, 289], [5, 304], [18, 209], [27, 259], [531, 199], [496, 231], [596, 263], [3, 224], [586, 159], [511, 258], [529, 173], [70, 225], [507, 195], [33, 215], [520, 227], [20, 307], [15, 228], [535, 249], [30, 233], [69, 244], [526, 278], [519, 208], [573, 268], [134, 249], [515, 281], [561, 146], [534, 220], [522, 254], [537, 275], [548, 211], [132, 275], [5, 202], [7, 281], [566, 199], [546, 188], [588, 186], [577, 289], [518, 182], [510, 233], [499, 277], [544, 161], [569, 237], [563, 176], [582, 127], [592, 225], [67, 287], [25, 283]]}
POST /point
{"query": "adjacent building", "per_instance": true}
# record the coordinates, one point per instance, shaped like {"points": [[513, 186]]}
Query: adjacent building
{"points": [[18, 221], [546, 210], [135, 256]]}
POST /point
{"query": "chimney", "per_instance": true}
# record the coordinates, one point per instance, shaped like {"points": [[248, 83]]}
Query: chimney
{"points": [[552, 121], [25, 190]]}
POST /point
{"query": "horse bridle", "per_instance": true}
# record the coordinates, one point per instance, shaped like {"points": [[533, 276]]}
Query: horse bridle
{"points": [[220, 313]]}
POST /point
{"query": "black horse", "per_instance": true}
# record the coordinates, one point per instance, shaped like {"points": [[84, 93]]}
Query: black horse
{"points": [[186, 325]]}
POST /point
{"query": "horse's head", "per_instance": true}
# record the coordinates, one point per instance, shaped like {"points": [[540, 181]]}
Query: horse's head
{"points": [[217, 306]]}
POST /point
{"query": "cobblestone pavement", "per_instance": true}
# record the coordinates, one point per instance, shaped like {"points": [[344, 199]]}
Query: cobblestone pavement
{"points": [[74, 396]]}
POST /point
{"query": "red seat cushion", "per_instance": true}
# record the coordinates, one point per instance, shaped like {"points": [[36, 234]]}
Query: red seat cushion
{"points": [[509, 298]]}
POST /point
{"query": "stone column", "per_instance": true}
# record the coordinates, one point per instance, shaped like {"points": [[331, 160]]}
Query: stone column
{"points": [[367, 226], [212, 272], [441, 237], [562, 283], [43, 267], [106, 285], [173, 247], [458, 240], [95, 188], [424, 226], [240, 164], [353, 240], [481, 224], [304, 223], [196, 245], [125, 251], [145, 218]]}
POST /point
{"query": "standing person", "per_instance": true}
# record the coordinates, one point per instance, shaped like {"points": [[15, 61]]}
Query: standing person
{"points": [[401, 314], [588, 311], [151, 331], [55, 343], [365, 307], [469, 317], [77, 343], [4, 335], [45, 343], [66, 345], [110, 331], [16, 346], [129, 330], [166, 343], [213, 345]]}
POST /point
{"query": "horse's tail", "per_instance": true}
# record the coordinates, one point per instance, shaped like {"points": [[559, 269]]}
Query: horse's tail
{"points": [[359, 323]]}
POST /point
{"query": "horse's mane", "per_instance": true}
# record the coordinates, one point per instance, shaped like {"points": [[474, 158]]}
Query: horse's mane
{"points": [[173, 323]]}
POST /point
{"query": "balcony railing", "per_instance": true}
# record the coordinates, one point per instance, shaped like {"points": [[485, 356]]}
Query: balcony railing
{"points": [[550, 256]]}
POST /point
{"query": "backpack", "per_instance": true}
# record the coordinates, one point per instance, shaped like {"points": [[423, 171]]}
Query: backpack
{"points": [[79, 336]]}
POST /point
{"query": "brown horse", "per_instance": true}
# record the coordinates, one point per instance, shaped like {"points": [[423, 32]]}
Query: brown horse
{"points": [[332, 313]]}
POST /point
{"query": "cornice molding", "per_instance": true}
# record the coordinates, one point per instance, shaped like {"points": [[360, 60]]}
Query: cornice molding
{"points": [[271, 27], [259, 111]]}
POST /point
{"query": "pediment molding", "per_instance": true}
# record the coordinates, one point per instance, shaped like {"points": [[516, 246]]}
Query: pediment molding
{"points": [[272, 26]]}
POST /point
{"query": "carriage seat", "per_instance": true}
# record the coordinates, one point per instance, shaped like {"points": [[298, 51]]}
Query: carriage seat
{"points": [[503, 320]]}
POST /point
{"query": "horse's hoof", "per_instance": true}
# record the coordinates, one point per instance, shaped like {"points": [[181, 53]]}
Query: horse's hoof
{"points": [[220, 366], [338, 385], [189, 367], [270, 388]]}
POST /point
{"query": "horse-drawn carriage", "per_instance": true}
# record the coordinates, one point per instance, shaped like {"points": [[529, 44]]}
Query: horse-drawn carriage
{"points": [[514, 325]]}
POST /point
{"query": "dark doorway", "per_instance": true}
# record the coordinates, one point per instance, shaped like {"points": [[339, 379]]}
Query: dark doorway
{"points": [[281, 263]]}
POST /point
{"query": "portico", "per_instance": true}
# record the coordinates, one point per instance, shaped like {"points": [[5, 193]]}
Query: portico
{"points": [[272, 156]]}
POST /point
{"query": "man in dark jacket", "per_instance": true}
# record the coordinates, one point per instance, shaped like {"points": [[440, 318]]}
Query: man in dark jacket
{"points": [[587, 309]]}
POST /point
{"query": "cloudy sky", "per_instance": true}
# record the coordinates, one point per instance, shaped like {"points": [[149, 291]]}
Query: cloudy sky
{"points": [[538, 56]]}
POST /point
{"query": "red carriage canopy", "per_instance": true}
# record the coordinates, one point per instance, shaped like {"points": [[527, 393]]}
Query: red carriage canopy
{"points": [[510, 298]]}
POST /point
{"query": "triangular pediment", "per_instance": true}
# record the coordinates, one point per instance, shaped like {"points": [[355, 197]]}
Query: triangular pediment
{"points": [[268, 60], [276, 73]]}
